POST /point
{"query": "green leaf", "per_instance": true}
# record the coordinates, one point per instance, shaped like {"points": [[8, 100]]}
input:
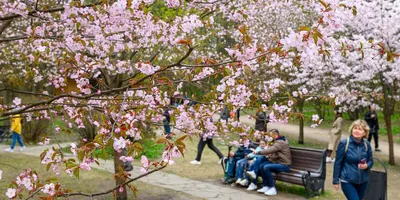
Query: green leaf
{"points": [[354, 9], [76, 172], [304, 28]]}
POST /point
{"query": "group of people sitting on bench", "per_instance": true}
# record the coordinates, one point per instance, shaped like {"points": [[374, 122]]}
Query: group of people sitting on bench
{"points": [[245, 165]]}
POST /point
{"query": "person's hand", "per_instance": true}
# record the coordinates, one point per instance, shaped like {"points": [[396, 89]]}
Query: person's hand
{"points": [[336, 187], [373, 116], [362, 166], [251, 149]]}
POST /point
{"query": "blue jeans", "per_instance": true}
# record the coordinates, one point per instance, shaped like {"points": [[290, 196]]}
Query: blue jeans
{"points": [[354, 191], [167, 127], [266, 174], [240, 165], [16, 137], [257, 165]]}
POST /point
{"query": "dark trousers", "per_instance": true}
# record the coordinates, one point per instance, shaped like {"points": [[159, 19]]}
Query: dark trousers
{"points": [[375, 134], [266, 174], [202, 144], [354, 191]]}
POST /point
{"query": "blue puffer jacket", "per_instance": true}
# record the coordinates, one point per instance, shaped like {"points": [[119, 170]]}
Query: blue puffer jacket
{"points": [[346, 164]]}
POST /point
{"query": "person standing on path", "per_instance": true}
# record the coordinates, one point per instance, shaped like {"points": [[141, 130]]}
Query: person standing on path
{"points": [[372, 119], [206, 139], [335, 134], [16, 129], [353, 161], [261, 121]]}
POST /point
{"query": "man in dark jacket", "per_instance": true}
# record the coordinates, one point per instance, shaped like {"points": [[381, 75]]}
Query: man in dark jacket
{"points": [[372, 119]]}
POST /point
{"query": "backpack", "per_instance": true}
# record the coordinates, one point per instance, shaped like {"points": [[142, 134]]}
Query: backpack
{"points": [[347, 145]]}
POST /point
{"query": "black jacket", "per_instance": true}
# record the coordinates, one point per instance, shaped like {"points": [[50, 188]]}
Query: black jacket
{"points": [[372, 122], [261, 121]]}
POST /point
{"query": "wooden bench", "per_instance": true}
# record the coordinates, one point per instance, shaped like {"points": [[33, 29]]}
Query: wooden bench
{"points": [[4, 135], [308, 169]]}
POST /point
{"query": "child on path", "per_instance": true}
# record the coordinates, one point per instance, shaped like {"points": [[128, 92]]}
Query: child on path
{"points": [[16, 129]]}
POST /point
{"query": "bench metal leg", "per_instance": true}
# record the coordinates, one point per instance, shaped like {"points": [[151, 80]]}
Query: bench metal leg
{"points": [[313, 185]]}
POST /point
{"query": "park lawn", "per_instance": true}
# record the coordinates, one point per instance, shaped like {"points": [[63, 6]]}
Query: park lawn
{"points": [[329, 119], [89, 182]]}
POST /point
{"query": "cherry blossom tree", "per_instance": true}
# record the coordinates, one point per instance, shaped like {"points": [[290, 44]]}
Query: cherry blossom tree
{"points": [[368, 69], [125, 60]]}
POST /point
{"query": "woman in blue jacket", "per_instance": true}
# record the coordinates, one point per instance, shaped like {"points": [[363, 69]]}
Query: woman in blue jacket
{"points": [[353, 160]]}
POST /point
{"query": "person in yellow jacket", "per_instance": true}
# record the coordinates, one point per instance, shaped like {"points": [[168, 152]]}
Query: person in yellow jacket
{"points": [[16, 129]]}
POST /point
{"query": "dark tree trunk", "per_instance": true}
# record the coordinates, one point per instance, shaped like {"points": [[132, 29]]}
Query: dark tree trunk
{"points": [[388, 122], [300, 104], [388, 111], [119, 165]]}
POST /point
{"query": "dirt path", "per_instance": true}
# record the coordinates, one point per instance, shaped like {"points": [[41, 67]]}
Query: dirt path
{"points": [[321, 135]]}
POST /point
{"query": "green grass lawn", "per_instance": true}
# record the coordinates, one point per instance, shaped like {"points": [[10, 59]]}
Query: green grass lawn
{"points": [[329, 118], [89, 182]]}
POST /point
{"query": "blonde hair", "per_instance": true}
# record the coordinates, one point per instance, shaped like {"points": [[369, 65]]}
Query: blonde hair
{"points": [[361, 123]]}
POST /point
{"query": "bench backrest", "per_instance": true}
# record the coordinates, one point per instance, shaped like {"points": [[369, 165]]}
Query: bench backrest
{"points": [[312, 160]]}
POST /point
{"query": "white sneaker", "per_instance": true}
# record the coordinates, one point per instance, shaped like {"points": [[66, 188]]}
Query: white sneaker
{"points": [[22, 148], [271, 191], [237, 181], [329, 160], [9, 150], [222, 159], [333, 160], [252, 187], [244, 182], [195, 162], [263, 189], [251, 174]]}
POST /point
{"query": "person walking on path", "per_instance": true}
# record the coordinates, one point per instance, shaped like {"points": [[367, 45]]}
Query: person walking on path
{"points": [[166, 123], [353, 161], [16, 129], [335, 134], [372, 119], [224, 114], [206, 139]]}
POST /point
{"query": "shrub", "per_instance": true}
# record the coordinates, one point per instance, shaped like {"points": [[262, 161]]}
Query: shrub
{"points": [[33, 130]]}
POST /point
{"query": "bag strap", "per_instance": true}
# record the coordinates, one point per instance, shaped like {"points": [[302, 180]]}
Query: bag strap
{"points": [[347, 145]]}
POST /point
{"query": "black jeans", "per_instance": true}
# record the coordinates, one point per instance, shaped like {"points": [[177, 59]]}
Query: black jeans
{"points": [[375, 134], [202, 144]]}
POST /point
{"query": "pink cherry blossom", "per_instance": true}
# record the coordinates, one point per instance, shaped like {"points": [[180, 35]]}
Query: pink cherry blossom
{"points": [[11, 192]]}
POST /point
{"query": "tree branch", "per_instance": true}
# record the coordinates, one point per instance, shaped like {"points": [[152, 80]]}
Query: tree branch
{"points": [[56, 9], [25, 92], [115, 188], [4, 25]]}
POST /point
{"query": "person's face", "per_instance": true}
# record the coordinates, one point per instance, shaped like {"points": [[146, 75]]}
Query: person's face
{"points": [[274, 135], [372, 107], [358, 132], [262, 144], [335, 111]]}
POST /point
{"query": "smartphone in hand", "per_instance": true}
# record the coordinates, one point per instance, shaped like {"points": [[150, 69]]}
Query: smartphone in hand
{"points": [[363, 161]]}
